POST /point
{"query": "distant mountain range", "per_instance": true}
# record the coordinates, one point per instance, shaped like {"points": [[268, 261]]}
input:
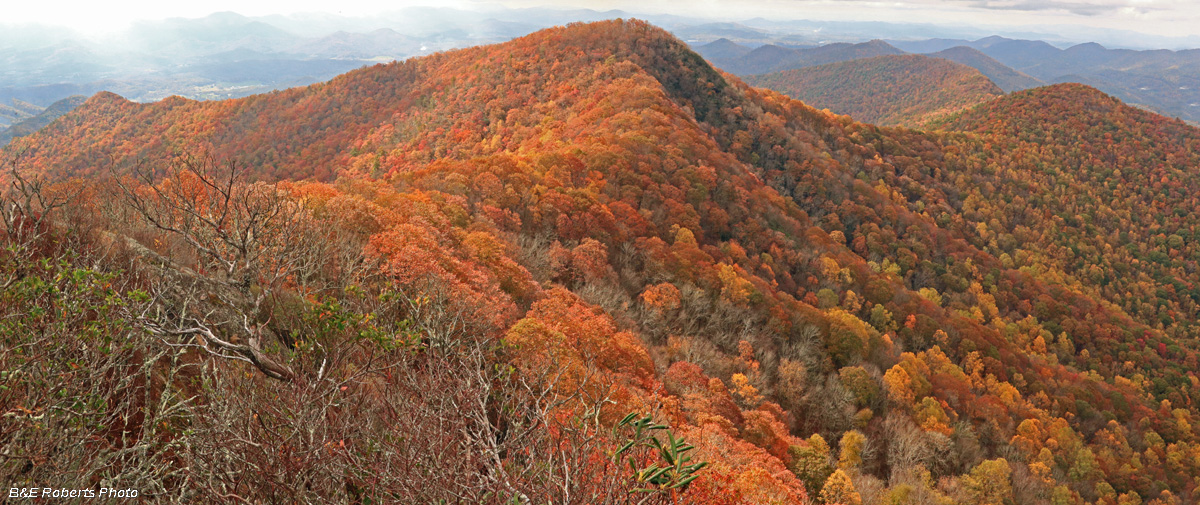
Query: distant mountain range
{"points": [[1161, 80], [32, 124], [227, 55], [742, 60], [1008, 79], [17, 111]]}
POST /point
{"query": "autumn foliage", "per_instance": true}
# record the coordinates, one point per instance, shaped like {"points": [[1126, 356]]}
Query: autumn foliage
{"points": [[590, 221], [892, 90]]}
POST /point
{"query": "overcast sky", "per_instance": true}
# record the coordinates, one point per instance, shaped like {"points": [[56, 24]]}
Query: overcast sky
{"points": [[1159, 17]]}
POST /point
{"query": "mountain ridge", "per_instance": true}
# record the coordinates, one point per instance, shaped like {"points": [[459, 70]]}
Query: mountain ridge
{"points": [[771, 58], [908, 90], [770, 275], [46, 116], [1008, 79], [1161, 80]]}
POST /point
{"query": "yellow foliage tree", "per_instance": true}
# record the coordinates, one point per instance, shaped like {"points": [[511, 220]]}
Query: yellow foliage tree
{"points": [[850, 450], [898, 385], [840, 490], [989, 483]]}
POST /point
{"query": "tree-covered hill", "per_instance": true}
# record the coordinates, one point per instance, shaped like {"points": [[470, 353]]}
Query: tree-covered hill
{"points": [[455, 277], [1008, 79], [908, 90]]}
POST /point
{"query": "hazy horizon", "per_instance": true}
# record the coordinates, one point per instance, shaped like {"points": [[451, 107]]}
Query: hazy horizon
{"points": [[1130, 23]]}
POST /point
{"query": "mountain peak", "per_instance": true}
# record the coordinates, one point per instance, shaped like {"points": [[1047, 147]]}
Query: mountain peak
{"points": [[994, 39], [1087, 47], [226, 18], [1073, 105], [724, 45], [772, 48], [307, 148], [961, 50], [1073, 93], [722, 49], [107, 97]]}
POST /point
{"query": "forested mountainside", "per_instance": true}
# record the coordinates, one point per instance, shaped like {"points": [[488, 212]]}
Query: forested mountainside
{"points": [[28, 125], [1126, 210], [729, 56], [1161, 80], [722, 49], [906, 90], [458, 277], [1008, 79], [16, 112]]}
